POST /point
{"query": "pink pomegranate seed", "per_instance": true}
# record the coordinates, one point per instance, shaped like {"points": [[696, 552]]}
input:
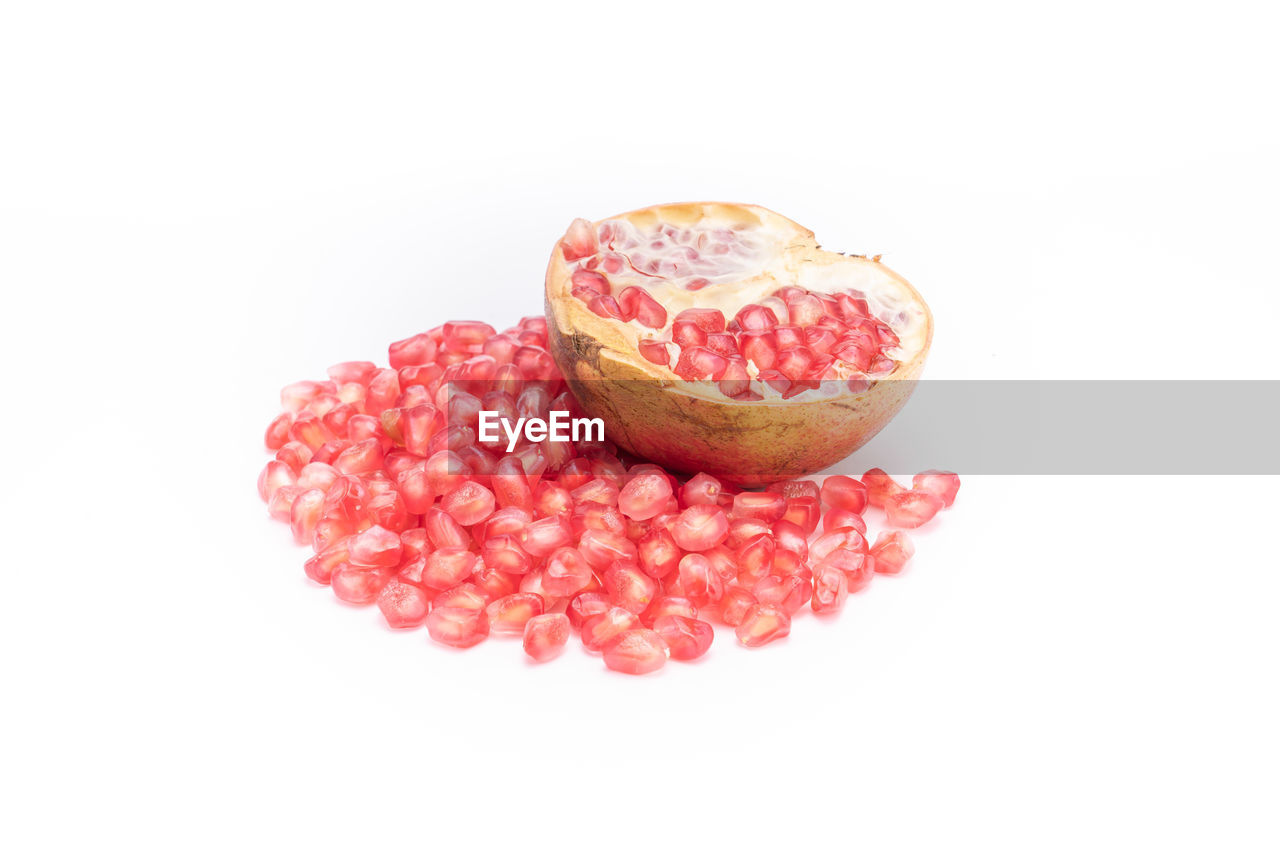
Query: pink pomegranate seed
{"points": [[944, 484], [792, 537], [760, 505], [795, 489], [658, 553], [416, 350], [837, 519], [844, 493], [457, 627], [636, 651], [278, 431], [544, 536], [762, 624], [465, 595], [585, 606], [858, 567], [466, 336], [892, 551], [735, 382], [701, 489], [320, 566], [696, 580], [637, 304], [545, 636], [361, 458], [699, 363], [644, 496], [592, 281], [510, 614], [602, 629], [790, 592], [375, 547], [655, 351], [598, 490], [911, 509], [567, 572], [880, 486], [628, 587], [274, 475], [706, 319], [734, 605], [579, 241], [804, 512], [760, 348], [448, 567], [358, 585], [830, 589], [755, 318], [700, 527], [469, 504], [403, 605], [304, 514], [755, 558], [686, 638], [504, 553], [663, 606]]}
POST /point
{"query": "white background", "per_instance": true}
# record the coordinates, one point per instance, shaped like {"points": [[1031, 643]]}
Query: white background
{"points": [[201, 202]]}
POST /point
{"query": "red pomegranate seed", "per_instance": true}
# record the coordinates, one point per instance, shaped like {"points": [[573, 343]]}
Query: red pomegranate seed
{"points": [[503, 553], [841, 538], [755, 318], [602, 548], [466, 336], [789, 592], [686, 638], [792, 537], [644, 496], [579, 241], [830, 589], [735, 381], [469, 504], [274, 475], [509, 614], [628, 587], [416, 350], [602, 629], [837, 519], [734, 605], [701, 489], [591, 281], [658, 553], [636, 651], [700, 527], [880, 486], [567, 572], [762, 624], [655, 351], [795, 489], [545, 636], [375, 547], [858, 567], [892, 551], [586, 605], [457, 627], [465, 595], [844, 493], [761, 348], [598, 490], [911, 509], [804, 512], [358, 585], [755, 558], [544, 536], [403, 605], [760, 505], [699, 363], [320, 566], [304, 514], [944, 484], [668, 605], [696, 580], [448, 567], [637, 304], [278, 431]]}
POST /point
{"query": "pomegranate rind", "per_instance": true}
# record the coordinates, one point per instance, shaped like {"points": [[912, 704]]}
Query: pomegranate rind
{"points": [[648, 410]]}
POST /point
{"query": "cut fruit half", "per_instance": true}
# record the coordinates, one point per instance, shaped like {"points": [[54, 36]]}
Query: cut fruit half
{"points": [[720, 337]]}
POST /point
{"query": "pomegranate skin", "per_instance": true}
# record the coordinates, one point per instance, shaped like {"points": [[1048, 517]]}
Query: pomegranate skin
{"points": [[648, 411]]}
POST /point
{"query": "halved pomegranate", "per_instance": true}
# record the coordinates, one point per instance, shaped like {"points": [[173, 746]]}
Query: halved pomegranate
{"points": [[721, 338]]}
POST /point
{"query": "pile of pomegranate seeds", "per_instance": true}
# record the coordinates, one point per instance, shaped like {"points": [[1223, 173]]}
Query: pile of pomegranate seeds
{"points": [[382, 473], [790, 341]]}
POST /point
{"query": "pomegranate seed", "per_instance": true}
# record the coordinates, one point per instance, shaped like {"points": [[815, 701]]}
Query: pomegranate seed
{"points": [[466, 336], [755, 318], [602, 629], [796, 489], [658, 553], [636, 651], [627, 586], [567, 572], [457, 627], [413, 351], [837, 519], [510, 614], [734, 605], [637, 304], [685, 638], [469, 504], [830, 589], [644, 496], [699, 363], [592, 281], [760, 348], [844, 493], [585, 606], [465, 595], [545, 636], [579, 241], [880, 486], [305, 513], [944, 484], [544, 536], [789, 592], [274, 475], [792, 537], [668, 605], [892, 551], [911, 509], [320, 566], [358, 585], [762, 624], [696, 581], [655, 351], [448, 567], [403, 605], [760, 505], [804, 512], [858, 567], [701, 489], [278, 431], [700, 527], [841, 538], [375, 547]]}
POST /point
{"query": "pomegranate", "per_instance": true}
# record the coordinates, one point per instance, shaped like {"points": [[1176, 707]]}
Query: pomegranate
{"points": [[721, 338]]}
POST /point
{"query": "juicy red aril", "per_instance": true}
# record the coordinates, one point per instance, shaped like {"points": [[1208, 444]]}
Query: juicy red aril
{"points": [[375, 547], [644, 496], [699, 363], [585, 606], [602, 629], [636, 651], [944, 484], [762, 624], [447, 567], [508, 615], [628, 587], [700, 489], [545, 636], [403, 605], [686, 638], [760, 505], [844, 493], [880, 486], [700, 527], [457, 627], [655, 351], [892, 551], [912, 508], [358, 585], [830, 589]]}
